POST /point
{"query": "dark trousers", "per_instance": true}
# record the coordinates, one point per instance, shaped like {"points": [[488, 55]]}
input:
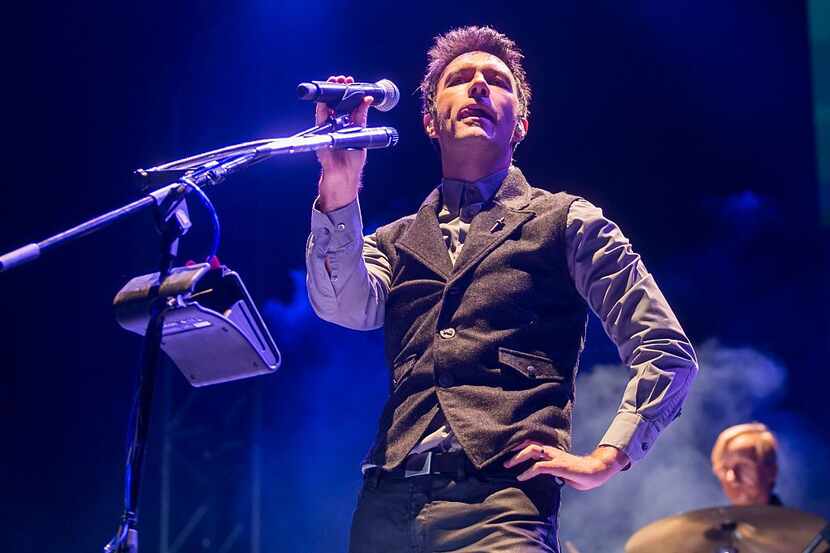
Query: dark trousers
{"points": [[475, 514]]}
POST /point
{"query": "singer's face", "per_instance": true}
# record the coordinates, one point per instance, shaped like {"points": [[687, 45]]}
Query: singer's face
{"points": [[476, 100]]}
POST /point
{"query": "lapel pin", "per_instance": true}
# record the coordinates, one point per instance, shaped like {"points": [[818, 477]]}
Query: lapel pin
{"points": [[498, 224]]}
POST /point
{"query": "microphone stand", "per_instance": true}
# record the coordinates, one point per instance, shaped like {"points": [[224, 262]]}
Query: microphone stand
{"points": [[208, 168], [188, 174], [333, 124], [174, 223], [823, 535]]}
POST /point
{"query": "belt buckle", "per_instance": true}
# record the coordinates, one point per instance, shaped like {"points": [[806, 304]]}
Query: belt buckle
{"points": [[425, 469]]}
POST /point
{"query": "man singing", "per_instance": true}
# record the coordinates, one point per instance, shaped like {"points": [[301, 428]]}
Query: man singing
{"points": [[483, 296]]}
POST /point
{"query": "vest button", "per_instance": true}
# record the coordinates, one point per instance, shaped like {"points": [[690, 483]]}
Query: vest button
{"points": [[446, 380], [531, 371], [447, 333]]}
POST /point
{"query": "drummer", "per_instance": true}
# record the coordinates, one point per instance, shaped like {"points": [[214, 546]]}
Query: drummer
{"points": [[745, 461]]}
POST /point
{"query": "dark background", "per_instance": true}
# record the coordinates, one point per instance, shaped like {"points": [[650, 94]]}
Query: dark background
{"points": [[691, 125]]}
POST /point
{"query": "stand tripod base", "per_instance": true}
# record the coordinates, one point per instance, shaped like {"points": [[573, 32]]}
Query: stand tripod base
{"points": [[130, 545]]}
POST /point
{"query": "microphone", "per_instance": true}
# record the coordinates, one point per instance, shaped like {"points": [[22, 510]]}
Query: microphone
{"points": [[354, 138], [346, 97]]}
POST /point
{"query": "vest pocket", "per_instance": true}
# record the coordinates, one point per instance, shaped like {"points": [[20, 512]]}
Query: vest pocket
{"points": [[402, 370], [533, 367]]}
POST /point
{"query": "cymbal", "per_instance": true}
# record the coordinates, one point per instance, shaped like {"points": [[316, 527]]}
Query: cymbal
{"points": [[750, 529]]}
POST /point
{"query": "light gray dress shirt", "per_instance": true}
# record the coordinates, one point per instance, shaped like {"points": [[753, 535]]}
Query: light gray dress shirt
{"points": [[605, 270]]}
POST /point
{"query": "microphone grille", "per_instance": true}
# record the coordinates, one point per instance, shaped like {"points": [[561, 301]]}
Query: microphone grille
{"points": [[393, 135], [307, 91], [390, 97]]}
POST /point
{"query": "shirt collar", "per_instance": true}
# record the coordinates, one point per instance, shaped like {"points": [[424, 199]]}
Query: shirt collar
{"points": [[457, 194]]}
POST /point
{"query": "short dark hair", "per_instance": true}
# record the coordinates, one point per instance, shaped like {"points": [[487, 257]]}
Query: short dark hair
{"points": [[456, 42]]}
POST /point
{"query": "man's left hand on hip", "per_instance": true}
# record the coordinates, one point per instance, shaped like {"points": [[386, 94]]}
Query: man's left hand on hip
{"points": [[582, 472]]}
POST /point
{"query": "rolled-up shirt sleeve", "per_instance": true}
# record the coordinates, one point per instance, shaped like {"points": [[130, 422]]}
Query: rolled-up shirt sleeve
{"points": [[352, 290], [615, 283]]}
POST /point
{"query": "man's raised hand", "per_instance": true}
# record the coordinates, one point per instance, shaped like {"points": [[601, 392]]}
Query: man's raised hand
{"points": [[342, 169]]}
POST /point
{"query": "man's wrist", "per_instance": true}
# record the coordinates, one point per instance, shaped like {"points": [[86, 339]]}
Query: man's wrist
{"points": [[336, 193], [612, 457]]}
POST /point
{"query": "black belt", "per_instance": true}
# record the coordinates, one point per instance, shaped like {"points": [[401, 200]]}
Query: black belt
{"points": [[453, 465]]}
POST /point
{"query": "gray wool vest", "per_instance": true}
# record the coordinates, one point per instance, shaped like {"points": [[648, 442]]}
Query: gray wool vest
{"points": [[494, 341]]}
